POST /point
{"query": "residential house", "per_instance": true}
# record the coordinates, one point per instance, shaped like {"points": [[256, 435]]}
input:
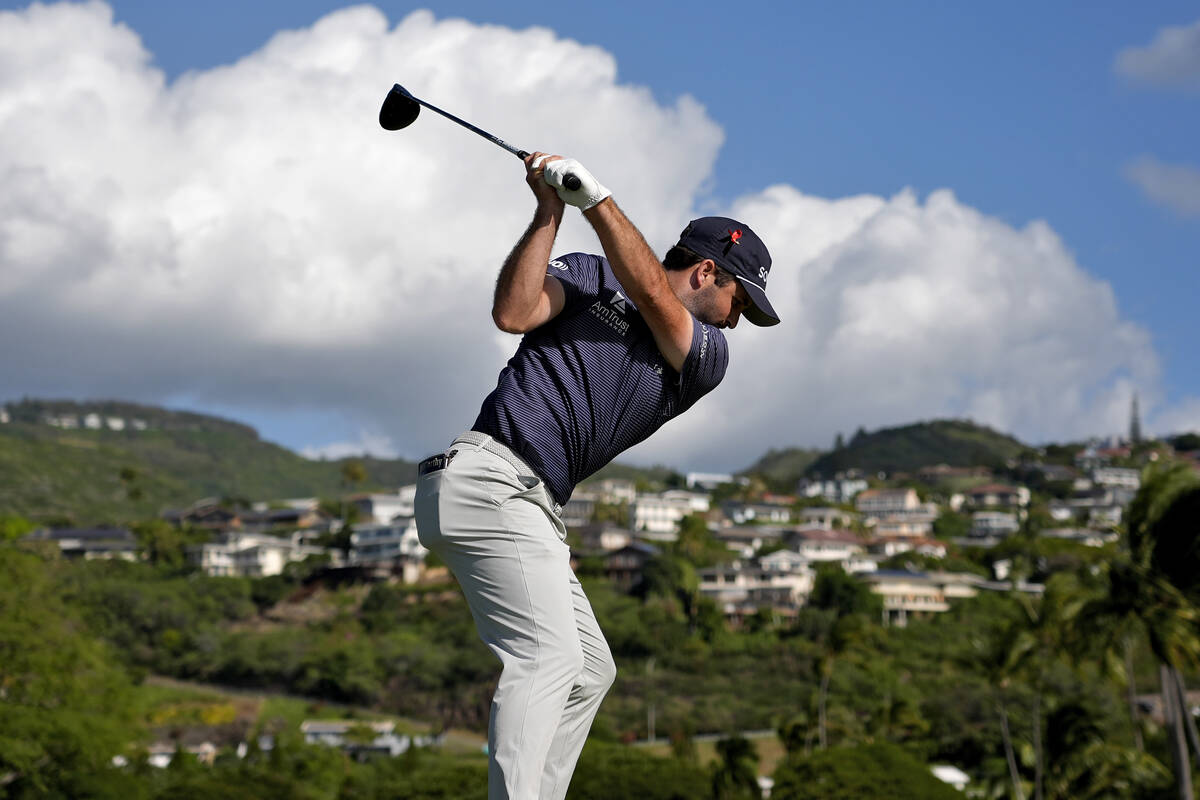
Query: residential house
{"points": [[826, 518], [746, 540], [1122, 477], [161, 754], [944, 472], [996, 495], [602, 537], [918, 526], [578, 510], [207, 514], [385, 507], [253, 555], [907, 593], [372, 737], [90, 543], [838, 490], [1085, 536], [879, 503], [262, 519], [388, 548], [780, 580], [888, 546], [658, 516], [613, 491], [994, 524], [707, 481], [624, 567], [817, 545], [740, 512]]}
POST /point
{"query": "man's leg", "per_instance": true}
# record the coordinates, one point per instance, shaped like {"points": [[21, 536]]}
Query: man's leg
{"points": [[494, 534], [593, 682]]}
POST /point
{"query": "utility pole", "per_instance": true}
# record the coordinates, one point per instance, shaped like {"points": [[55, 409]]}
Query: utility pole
{"points": [[650, 699]]}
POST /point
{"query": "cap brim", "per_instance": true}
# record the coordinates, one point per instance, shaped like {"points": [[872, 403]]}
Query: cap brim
{"points": [[759, 312]]}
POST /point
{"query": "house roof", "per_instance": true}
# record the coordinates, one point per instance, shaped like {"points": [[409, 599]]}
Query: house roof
{"points": [[993, 488], [89, 534], [822, 535]]}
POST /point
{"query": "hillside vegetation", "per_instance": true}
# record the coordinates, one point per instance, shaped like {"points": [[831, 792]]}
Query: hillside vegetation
{"points": [[82, 476], [958, 443]]}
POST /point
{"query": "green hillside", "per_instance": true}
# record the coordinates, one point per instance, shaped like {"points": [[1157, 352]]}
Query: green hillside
{"points": [[85, 476], [958, 443], [782, 468]]}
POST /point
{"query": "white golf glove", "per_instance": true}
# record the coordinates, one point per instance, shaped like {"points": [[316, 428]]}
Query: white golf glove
{"points": [[590, 191]]}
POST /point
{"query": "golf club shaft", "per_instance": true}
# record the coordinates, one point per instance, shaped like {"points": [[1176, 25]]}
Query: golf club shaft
{"points": [[516, 151], [570, 181]]}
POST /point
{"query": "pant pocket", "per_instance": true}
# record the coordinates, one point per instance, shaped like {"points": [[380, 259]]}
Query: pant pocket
{"points": [[426, 509]]}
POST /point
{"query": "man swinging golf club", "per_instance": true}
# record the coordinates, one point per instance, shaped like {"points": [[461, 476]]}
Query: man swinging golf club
{"points": [[613, 347]]}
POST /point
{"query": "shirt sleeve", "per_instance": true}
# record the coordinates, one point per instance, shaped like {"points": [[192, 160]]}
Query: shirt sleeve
{"points": [[579, 274], [705, 364]]}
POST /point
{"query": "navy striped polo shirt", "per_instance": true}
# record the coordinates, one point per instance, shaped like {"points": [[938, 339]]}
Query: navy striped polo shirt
{"points": [[591, 383]]}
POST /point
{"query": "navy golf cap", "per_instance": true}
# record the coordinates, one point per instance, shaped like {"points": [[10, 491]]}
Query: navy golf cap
{"points": [[737, 250]]}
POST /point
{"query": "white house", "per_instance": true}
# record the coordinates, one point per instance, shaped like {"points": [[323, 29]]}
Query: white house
{"points": [[840, 490], [825, 518], [337, 733], [253, 555], [1085, 536], [658, 515], [994, 523], [1117, 476], [815, 544], [782, 579], [385, 507], [707, 480], [392, 544], [881, 502], [613, 491]]}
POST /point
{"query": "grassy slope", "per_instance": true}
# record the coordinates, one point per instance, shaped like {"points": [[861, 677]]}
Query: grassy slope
{"points": [[48, 474], [955, 442]]}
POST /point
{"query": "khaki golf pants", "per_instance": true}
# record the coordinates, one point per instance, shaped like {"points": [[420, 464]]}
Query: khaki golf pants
{"points": [[494, 524]]}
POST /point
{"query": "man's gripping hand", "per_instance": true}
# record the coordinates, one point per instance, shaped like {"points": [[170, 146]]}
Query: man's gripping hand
{"points": [[590, 191]]}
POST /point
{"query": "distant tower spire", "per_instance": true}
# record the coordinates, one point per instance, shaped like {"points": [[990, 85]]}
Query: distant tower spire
{"points": [[1135, 422]]}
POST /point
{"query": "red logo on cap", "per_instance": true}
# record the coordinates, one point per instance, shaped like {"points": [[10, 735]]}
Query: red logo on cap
{"points": [[734, 236]]}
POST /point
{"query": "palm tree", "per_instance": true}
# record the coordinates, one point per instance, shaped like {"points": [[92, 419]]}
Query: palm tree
{"points": [[1149, 586], [1036, 640], [736, 774]]}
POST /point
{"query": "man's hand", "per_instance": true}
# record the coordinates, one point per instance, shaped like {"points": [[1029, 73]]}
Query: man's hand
{"points": [[590, 191], [547, 198]]}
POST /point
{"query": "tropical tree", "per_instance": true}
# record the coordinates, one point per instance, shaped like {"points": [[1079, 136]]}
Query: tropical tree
{"points": [[1035, 641], [736, 773], [1149, 587]]}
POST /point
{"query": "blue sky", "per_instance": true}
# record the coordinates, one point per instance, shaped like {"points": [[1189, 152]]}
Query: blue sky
{"points": [[1019, 109]]}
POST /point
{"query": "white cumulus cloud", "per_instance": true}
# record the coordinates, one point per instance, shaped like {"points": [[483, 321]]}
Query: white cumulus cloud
{"points": [[1173, 186], [247, 236], [1172, 60]]}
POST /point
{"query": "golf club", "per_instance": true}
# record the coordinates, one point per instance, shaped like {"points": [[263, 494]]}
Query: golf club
{"points": [[400, 109]]}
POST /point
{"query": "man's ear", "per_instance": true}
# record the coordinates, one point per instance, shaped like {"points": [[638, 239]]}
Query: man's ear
{"points": [[706, 269]]}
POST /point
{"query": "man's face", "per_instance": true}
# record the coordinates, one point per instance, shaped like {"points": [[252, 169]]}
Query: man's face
{"points": [[721, 306]]}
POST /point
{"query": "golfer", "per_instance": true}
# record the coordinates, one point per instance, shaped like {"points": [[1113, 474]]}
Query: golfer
{"points": [[613, 347]]}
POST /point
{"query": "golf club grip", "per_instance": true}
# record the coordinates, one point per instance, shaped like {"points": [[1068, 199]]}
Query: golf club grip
{"points": [[570, 180]]}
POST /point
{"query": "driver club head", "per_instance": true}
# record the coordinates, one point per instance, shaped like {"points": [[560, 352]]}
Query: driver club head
{"points": [[399, 109]]}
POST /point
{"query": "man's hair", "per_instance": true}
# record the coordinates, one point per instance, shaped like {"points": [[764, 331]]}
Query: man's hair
{"points": [[680, 257]]}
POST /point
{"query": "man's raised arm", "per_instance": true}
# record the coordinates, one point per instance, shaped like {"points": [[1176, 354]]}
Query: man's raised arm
{"points": [[633, 262], [526, 296]]}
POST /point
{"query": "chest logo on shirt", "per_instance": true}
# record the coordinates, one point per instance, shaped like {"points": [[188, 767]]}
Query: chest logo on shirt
{"points": [[612, 314]]}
